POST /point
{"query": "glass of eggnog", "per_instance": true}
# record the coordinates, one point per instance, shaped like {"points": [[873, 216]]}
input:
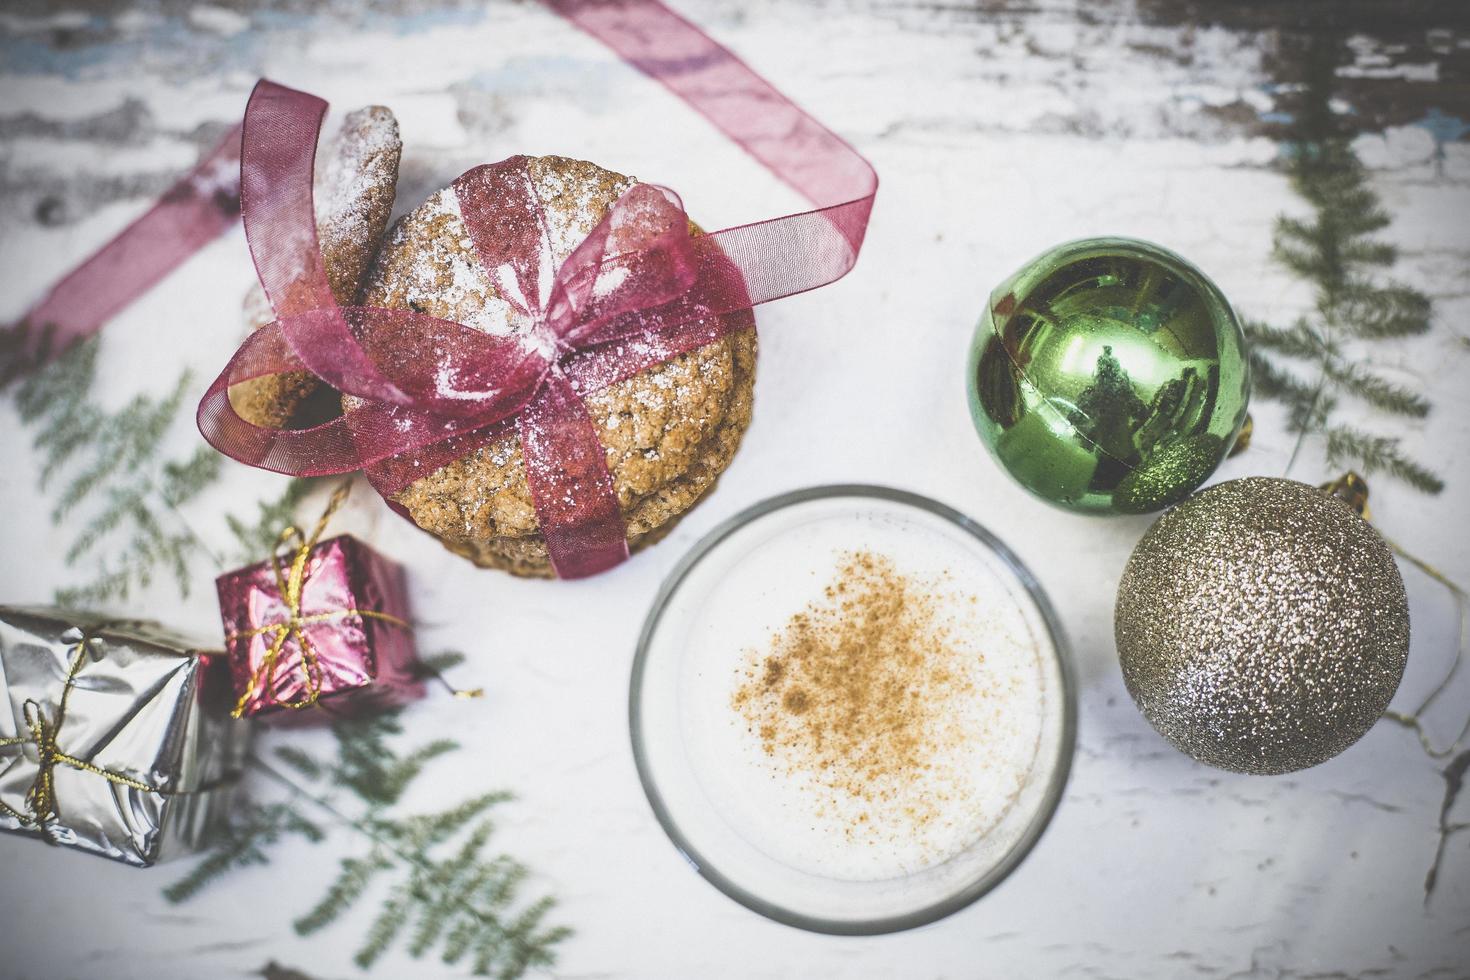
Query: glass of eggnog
{"points": [[852, 709]]}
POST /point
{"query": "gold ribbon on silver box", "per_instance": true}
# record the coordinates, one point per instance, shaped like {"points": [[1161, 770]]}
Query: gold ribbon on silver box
{"points": [[114, 736]]}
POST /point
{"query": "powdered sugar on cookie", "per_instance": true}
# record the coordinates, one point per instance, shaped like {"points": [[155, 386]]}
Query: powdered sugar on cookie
{"points": [[668, 432]]}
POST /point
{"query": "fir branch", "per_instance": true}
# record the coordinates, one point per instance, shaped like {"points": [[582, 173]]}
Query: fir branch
{"points": [[1346, 445], [434, 887], [124, 441], [300, 761], [435, 664], [1297, 341], [242, 843], [466, 877], [111, 463], [471, 928], [106, 584], [58, 395], [1279, 383], [1375, 390], [389, 924], [1380, 312], [529, 949], [121, 502], [425, 831], [1305, 263], [516, 957], [439, 893], [363, 758], [23, 349], [1334, 250], [1361, 252], [1308, 406], [183, 481], [393, 779], [1305, 234], [351, 882]]}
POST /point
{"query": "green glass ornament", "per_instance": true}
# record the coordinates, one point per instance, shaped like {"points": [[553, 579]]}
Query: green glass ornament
{"points": [[1109, 375]]}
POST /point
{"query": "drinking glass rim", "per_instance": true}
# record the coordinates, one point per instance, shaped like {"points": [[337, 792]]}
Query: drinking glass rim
{"points": [[935, 911]]}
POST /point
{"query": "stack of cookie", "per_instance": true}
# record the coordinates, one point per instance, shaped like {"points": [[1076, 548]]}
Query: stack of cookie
{"points": [[668, 432], [356, 180]]}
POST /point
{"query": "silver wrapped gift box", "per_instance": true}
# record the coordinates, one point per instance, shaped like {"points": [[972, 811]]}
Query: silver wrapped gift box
{"points": [[115, 736]]}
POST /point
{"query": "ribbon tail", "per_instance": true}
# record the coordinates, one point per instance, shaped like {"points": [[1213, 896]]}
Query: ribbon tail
{"points": [[193, 212], [570, 484], [782, 256]]}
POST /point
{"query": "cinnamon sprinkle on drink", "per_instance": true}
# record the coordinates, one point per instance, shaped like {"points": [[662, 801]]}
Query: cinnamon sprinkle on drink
{"points": [[862, 691]]}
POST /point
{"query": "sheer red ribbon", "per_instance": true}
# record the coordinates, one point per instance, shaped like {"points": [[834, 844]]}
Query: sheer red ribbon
{"points": [[639, 291], [197, 209]]}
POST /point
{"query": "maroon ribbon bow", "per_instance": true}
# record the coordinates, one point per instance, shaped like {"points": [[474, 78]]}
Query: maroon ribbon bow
{"points": [[640, 290]]}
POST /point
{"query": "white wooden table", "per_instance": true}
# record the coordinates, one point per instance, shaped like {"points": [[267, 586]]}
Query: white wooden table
{"points": [[996, 133]]}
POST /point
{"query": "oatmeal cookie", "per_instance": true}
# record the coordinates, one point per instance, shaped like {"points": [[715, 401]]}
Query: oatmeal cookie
{"points": [[354, 185], [668, 432]]}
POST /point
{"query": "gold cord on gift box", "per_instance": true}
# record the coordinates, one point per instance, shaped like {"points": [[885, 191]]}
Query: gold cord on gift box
{"points": [[1352, 490], [41, 797], [290, 581]]}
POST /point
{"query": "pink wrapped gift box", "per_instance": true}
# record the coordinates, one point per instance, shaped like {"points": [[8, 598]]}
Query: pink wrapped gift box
{"points": [[326, 627]]}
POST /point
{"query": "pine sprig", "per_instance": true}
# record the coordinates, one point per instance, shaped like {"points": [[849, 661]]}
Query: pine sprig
{"points": [[351, 882], [396, 777], [464, 897], [58, 394], [257, 538], [425, 831], [111, 463], [388, 925], [22, 349], [301, 761], [441, 888], [366, 765], [243, 843], [1334, 249], [1377, 454], [466, 877], [1375, 389], [1385, 311], [1298, 340]]}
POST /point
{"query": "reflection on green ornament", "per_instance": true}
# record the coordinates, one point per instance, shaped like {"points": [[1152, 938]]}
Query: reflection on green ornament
{"points": [[1108, 376]]}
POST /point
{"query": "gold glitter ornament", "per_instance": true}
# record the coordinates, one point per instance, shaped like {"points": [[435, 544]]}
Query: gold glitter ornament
{"points": [[1262, 626]]}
